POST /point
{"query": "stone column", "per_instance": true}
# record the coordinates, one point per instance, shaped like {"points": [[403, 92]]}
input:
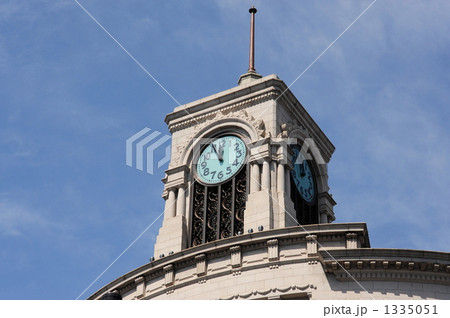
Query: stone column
{"points": [[181, 202], [287, 180], [323, 218], [281, 183], [265, 175], [255, 182], [170, 209]]}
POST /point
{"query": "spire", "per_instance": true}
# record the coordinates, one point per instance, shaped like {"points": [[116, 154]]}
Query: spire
{"points": [[251, 73], [251, 62]]}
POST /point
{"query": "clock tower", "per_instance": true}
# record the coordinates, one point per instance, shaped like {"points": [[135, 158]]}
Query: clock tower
{"points": [[248, 213], [247, 159]]}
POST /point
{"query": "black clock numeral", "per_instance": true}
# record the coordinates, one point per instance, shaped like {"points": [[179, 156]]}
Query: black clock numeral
{"points": [[228, 170], [235, 163], [206, 172], [236, 147], [220, 175], [213, 173], [238, 153], [203, 164]]}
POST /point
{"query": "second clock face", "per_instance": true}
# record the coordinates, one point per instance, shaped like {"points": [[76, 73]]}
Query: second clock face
{"points": [[303, 177], [221, 160]]}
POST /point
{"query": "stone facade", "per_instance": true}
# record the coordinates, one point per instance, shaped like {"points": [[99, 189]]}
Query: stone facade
{"points": [[309, 262], [268, 117], [274, 257]]}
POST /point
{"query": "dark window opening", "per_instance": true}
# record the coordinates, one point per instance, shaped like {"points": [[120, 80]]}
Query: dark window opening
{"points": [[218, 211]]}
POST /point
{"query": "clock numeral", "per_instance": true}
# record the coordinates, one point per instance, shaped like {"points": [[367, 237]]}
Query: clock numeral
{"points": [[206, 172], [220, 175], [207, 155], [238, 153], [228, 170], [235, 163], [203, 164], [213, 173]]}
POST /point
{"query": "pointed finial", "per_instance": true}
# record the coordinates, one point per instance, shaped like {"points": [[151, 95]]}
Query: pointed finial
{"points": [[251, 73], [251, 64]]}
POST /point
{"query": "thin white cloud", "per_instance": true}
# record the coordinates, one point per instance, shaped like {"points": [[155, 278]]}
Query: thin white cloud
{"points": [[17, 219]]}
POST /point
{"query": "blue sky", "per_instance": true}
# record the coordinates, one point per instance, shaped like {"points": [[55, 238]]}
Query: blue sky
{"points": [[70, 97]]}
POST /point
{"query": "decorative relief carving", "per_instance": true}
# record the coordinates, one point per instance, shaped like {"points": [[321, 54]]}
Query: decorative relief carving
{"points": [[170, 291], [392, 270], [233, 108], [288, 128], [236, 272], [269, 291], [258, 125]]}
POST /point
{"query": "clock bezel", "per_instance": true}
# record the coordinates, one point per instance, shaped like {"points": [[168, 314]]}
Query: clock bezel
{"points": [[212, 139], [311, 166]]}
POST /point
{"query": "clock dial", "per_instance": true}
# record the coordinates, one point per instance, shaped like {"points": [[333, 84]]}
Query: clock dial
{"points": [[303, 177], [221, 160]]}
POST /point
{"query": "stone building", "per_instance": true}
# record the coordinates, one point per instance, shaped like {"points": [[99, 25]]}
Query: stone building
{"points": [[249, 214]]}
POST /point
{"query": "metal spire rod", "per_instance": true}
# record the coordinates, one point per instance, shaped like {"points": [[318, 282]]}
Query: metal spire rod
{"points": [[251, 63]]}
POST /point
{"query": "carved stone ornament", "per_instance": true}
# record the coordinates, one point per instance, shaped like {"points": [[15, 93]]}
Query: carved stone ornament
{"points": [[267, 292], [236, 256], [258, 125], [272, 250], [288, 128], [168, 275]]}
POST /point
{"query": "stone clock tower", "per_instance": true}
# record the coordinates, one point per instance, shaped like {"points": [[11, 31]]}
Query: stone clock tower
{"points": [[279, 175], [248, 213], [267, 190]]}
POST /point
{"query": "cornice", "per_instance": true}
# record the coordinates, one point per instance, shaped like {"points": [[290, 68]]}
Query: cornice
{"points": [[198, 118], [388, 264], [222, 247]]}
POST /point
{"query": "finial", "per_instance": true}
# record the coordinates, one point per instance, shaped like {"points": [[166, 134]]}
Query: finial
{"points": [[251, 64], [251, 73]]}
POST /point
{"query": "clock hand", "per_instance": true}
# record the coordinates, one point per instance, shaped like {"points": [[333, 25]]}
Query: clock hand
{"points": [[302, 169], [221, 152], [217, 152]]}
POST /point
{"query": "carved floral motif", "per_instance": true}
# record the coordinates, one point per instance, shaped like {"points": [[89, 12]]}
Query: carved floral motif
{"points": [[258, 125]]}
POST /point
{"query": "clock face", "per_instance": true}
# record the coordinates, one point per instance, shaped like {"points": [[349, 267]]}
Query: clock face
{"points": [[221, 160], [303, 177]]}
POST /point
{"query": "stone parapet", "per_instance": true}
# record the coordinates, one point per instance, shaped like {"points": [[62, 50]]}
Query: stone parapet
{"points": [[237, 256]]}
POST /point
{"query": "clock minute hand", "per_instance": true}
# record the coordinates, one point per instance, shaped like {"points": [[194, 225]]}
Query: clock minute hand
{"points": [[221, 153], [217, 152]]}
